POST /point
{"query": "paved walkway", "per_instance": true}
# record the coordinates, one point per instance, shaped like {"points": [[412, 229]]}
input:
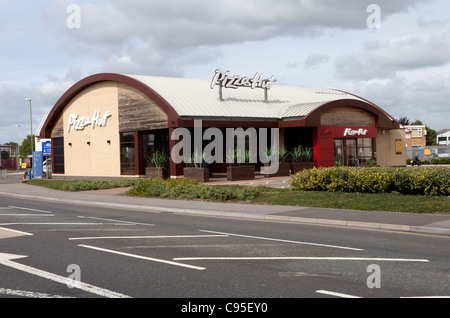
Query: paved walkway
{"points": [[405, 222]]}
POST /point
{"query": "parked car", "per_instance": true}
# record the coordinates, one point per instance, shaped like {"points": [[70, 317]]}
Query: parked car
{"points": [[47, 163]]}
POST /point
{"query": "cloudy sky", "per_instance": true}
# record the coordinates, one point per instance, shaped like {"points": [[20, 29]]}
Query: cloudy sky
{"points": [[399, 61]]}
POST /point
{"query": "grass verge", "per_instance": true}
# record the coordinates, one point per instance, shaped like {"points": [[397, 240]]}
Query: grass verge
{"points": [[192, 190], [388, 202]]}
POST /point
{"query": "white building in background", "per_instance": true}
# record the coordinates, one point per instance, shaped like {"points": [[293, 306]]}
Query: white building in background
{"points": [[443, 137], [38, 141]]}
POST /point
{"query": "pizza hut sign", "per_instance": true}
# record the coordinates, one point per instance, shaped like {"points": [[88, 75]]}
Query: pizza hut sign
{"points": [[224, 80], [355, 132], [78, 123]]}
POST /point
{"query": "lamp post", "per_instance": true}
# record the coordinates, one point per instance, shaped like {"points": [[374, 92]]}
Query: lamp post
{"points": [[31, 137], [18, 150]]}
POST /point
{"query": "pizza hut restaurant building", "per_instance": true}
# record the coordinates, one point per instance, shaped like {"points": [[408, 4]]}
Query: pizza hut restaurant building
{"points": [[106, 124]]}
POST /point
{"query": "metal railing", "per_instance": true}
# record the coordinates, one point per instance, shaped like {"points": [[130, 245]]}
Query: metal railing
{"points": [[428, 152]]}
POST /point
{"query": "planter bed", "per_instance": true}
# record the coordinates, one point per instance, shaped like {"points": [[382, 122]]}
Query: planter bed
{"points": [[235, 173], [200, 174]]}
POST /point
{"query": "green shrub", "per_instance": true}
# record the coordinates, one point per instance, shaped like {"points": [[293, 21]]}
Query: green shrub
{"points": [[192, 189], [433, 161], [428, 181], [440, 161], [85, 185]]}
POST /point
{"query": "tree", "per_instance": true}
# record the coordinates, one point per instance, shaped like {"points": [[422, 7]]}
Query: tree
{"points": [[417, 123], [26, 149], [431, 136], [12, 144], [404, 121], [7, 154]]}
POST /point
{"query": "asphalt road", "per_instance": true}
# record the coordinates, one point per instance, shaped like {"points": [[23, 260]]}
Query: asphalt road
{"points": [[62, 250]]}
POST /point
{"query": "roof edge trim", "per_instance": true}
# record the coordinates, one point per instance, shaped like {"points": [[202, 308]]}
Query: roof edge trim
{"points": [[103, 77]]}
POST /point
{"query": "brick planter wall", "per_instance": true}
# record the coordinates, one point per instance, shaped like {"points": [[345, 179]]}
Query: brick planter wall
{"points": [[240, 173], [284, 170], [200, 174], [154, 172], [299, 166]]}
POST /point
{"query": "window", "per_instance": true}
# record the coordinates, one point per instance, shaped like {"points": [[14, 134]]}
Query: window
{"points": [[153, 141], [416, 132], [354, 152], [398, 146], [127, 154], [365, 152], [339, 152], [58, 155]]}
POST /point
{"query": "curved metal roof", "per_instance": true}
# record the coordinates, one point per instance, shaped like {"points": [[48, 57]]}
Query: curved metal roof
{"points": [[191, 99], [194, 98]]}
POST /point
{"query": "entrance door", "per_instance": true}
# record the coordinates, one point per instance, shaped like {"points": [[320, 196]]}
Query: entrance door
{"points": [[345, 152], [152, 141], [339, 159], [350, 152], [353, 152]]}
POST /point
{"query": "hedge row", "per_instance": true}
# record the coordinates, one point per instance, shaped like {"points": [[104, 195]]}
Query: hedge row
{"points": [[424, 181], [85, 185], [433, 161], [192, 189]]}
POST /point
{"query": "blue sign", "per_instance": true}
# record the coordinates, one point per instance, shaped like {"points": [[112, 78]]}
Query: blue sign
{"points": [[37, 163], [47, 148]]}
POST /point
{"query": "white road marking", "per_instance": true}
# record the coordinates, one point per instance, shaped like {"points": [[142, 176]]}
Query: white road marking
{"points": [[144, 257], [27, 294], [15, 231], [286, 241], [301, 258], [59, 223], [28, 209], [127, 222], [6, 260], [326, 292], [23, 214], [427, 297], [143, 237]]}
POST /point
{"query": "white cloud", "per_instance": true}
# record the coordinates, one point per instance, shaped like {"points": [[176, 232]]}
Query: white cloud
{"points": [[426, 100], [410, 52], [114, 30], [14, 110], [316, 59], [384, 60]]}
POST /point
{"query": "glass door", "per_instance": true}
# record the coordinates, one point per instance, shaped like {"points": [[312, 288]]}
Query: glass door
{"points": [[353, 152], [152, 141], [339, 159], [351, 157], [365, 151]]}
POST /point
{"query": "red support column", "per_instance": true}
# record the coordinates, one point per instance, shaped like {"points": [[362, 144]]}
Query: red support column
{"points": [[138, 153], [323, 141], [176, 170]]}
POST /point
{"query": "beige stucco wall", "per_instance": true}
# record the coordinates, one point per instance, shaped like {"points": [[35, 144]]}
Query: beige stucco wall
{"points": [[385, 147], [100, 158]]}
